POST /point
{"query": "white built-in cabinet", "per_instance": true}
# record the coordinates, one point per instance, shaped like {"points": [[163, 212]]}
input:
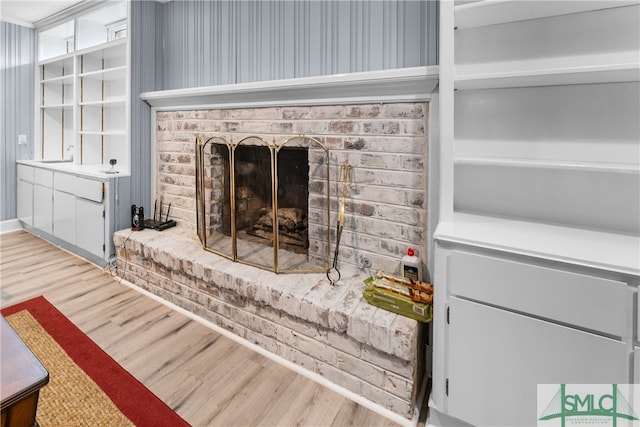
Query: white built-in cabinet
{"points": [[75, 210], [70, 194], [82, 89], [537, 252]]}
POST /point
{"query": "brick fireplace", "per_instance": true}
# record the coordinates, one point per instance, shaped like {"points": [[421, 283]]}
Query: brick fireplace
{"points": [[377, 122], [385, 143]]}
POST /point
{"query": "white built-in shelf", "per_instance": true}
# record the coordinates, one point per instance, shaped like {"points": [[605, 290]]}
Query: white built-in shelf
{"points": [[551, 164], [585, 69], [103, 133], [65, 59], [82, 86], [106, 103], [492, 12], [590, 248], [62, 80], [57, 106], [108, 74], [110, 50]]}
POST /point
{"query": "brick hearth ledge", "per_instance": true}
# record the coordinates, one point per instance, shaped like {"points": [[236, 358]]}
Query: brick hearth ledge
{"points": [[329, 330]]}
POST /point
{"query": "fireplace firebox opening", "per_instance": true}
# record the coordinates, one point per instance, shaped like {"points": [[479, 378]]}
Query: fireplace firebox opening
{"points": [[265, 204]]}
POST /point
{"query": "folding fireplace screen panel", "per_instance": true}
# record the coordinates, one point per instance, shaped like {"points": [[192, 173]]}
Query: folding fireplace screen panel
{"points": [[265, 204]]}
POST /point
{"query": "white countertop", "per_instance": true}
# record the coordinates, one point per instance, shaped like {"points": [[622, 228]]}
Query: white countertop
{"points": [[95, 170], [590, 248]]}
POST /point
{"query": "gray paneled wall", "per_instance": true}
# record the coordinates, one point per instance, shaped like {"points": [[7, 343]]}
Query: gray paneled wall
{"points": [[221, 42], [143, 36], [17, 54]]}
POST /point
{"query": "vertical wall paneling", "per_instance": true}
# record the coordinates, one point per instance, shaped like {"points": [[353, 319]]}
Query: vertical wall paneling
{"points": [[142, 35], [225, 42], [375, 34], [430, 32], [17, 110]]}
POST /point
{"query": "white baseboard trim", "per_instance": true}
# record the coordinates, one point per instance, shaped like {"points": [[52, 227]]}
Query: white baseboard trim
{"points": [[10, 225]]}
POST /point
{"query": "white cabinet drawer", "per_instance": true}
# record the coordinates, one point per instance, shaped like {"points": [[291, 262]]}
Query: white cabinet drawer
{"points": [[25, 173], [43, 177], [585, 301], [81, 187]]}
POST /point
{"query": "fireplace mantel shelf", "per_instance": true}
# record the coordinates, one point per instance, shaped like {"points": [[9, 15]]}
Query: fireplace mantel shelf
{"points": [[398, 85]]}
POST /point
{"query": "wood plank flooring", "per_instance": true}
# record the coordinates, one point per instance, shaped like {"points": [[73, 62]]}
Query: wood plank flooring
{"points": [[205, 377]]}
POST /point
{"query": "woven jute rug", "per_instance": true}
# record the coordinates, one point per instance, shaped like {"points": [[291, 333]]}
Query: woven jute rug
{"points": [[86, 386], [71, 398]]}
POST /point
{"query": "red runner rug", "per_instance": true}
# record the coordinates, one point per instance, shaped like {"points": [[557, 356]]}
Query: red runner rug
{"points": [[131, 397]]}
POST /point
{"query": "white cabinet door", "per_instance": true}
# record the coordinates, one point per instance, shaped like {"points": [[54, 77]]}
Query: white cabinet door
{"points": [[636, 365], [25, 202], [90, 226], [64, 216], [43, 208], [497, 358]]}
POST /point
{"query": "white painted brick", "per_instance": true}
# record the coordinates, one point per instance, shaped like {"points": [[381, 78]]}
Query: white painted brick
{"points": [[287, 299], [405, 339], [267, 113], [340, 342], [342, 311], [406, 110], [299, 358], [299, 326], [266, 343], [361, 369], [255, 292], [387, 400], [360, 322], [397, 385], [317, 350], [339, 377], [310, 308], [379, 332], [392, 363]]}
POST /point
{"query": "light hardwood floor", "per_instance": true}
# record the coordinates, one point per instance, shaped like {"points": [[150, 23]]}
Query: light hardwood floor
{"points": [[205, 377]]}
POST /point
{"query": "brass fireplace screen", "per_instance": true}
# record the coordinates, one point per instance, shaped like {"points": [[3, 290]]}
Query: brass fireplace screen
{"points": [[265, 204]]}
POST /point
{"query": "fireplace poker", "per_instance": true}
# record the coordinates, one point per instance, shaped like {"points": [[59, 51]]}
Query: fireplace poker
{"points": [[345, 177]]}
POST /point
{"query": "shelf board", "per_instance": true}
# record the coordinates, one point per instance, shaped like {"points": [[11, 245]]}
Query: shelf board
{"points": [[115, 73], [66, 59], [590, 248], [64, 80], [492, 12], [57, 107], [106, 103], [588, 69], [103, 133], [551, 164], [108, 50]]}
